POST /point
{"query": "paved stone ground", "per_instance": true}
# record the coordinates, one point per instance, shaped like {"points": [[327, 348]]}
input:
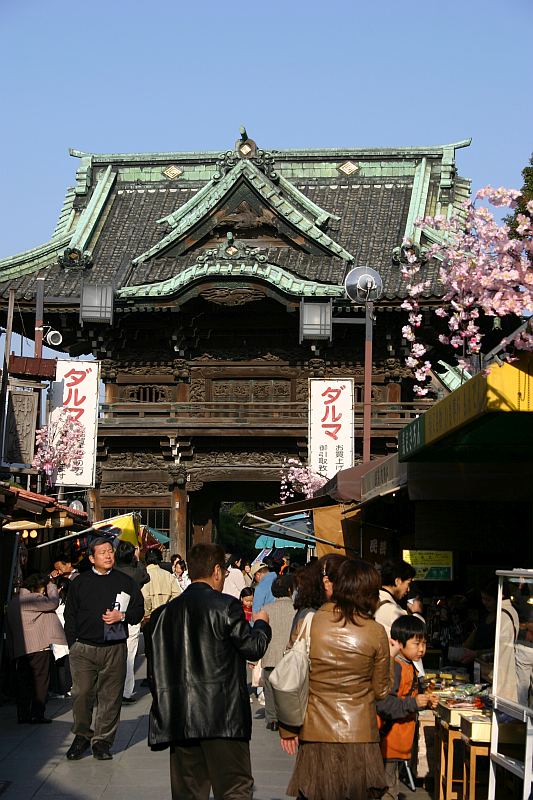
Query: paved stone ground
{"points": [[32, 760]]}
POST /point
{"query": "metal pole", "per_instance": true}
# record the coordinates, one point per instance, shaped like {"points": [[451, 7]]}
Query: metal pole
{"points": [[39, 318], [367, 388]]}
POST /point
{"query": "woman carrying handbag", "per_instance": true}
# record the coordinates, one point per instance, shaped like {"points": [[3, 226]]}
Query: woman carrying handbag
{"points": [[338, 755]]}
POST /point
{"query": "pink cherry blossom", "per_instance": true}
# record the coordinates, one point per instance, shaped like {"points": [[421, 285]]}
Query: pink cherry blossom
{"points": [[59, 446], [295, 477], [483, 272]]}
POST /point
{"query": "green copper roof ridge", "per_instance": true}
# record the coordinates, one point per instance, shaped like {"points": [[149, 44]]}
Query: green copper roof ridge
{"points": [[271, 273], [347, 152], [320, 213], [417, 205], [91, 213], [14, 266], [172, 219], [66, 214], [260, 182]]}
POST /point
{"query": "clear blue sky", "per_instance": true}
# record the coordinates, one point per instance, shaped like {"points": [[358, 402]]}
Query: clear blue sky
{"points": [[119, 76]]}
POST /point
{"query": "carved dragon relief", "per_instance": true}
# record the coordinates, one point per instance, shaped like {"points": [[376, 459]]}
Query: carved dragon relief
{"points": [[134, 489], [239, 458], [232, 295]]}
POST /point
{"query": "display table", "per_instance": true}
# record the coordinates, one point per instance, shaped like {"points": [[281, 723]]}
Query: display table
{"points": [[448, 786], [475, 736]]}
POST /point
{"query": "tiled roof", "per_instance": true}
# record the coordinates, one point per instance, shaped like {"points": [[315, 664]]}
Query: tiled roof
{"points": [[42, 501], [122, 204]]}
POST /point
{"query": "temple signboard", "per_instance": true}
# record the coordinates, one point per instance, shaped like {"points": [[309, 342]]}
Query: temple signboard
{"points": [[76, 390], [331, 425]]}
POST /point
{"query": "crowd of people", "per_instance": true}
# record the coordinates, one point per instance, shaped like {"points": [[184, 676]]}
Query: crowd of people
{"points": [[215, 629]]}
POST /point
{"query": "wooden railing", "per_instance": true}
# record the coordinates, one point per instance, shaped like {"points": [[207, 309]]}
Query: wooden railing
{"points": [[386, 416]]}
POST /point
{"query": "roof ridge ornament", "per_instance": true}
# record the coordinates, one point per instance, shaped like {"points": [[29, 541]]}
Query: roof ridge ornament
{"points": [[73, 258], [231, 250], [246, 149]]}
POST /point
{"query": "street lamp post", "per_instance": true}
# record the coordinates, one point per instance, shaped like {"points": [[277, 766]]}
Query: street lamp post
{"points": [[367, 381], [363, 286]]}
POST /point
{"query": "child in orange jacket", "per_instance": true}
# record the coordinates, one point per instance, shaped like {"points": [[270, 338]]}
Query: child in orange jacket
{"points": [[397, 712]]}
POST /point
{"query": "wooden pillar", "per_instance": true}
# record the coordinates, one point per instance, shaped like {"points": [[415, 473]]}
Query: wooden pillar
{"points": [[95, 506], [201, 512], [203, 531], [178, 521]]}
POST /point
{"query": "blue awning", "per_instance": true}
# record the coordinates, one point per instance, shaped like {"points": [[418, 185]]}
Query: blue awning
{"points": [[295, 530], [299, 523], [162, 538]]}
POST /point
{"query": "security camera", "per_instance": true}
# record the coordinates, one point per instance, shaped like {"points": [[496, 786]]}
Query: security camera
{"points": [[53, 338]]}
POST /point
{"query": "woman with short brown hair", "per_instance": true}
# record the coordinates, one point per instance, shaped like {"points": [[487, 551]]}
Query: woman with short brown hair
{"points": [[338, 755]]}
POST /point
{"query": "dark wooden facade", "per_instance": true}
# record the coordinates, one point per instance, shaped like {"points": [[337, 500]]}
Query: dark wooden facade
{"points": [[210, 256]]}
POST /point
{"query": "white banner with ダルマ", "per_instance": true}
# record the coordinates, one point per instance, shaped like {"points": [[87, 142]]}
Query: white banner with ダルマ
{"points": [[76, 390], [331, 425]]}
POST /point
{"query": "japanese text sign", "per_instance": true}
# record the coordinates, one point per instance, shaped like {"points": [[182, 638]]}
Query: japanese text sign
{"points": [[76, 390], [431, 565], [331, 425]]}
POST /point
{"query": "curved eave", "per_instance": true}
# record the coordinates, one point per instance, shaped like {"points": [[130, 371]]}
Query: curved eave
{"points": [[277, 277], [33, 260]]}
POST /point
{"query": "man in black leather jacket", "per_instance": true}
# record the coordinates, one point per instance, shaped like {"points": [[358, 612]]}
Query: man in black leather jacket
{"points": [[201, 708]]}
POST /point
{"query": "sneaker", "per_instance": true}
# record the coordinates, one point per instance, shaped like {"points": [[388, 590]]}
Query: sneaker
{"points": [[56, 696], [261, 699]]}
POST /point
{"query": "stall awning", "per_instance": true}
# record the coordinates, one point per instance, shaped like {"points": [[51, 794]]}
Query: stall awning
{"points": [[384, 478], [295, 524], [298, 523], [488, 419], [346, 484]]}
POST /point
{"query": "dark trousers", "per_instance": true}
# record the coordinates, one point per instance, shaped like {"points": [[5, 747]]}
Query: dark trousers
{"points": [[223, 764], [148, 650], [60, 677], [98, 675], [33, 678], [270, 708]]}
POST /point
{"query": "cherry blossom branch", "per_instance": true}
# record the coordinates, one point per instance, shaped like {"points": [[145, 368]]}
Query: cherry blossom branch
{"points": [[59, 446], [295, 477], [483, 271]]}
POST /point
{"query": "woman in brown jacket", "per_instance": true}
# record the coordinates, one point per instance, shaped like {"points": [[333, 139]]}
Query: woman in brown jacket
{"points": [[338, 754]]}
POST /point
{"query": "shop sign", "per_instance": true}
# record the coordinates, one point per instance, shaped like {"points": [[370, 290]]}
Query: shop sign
{"points": [[331, 425], [388, 475], [412, 438], [376, 545], [76, 389], [460, 407], [430, 565]]}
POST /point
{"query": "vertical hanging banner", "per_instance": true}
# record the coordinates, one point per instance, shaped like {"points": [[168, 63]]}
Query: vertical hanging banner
{"points": [[331, 425], [76, 390]]}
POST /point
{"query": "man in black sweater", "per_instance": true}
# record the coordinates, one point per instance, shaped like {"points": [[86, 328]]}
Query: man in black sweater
{"points": [[100, 605]]}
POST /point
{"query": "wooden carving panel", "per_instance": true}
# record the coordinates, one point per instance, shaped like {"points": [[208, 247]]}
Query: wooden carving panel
{"points": [[20, 427], [147, 393], [260, 390]]}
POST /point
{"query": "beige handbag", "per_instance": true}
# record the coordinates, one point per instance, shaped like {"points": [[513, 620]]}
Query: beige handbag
{"points": [[290, 679]]}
